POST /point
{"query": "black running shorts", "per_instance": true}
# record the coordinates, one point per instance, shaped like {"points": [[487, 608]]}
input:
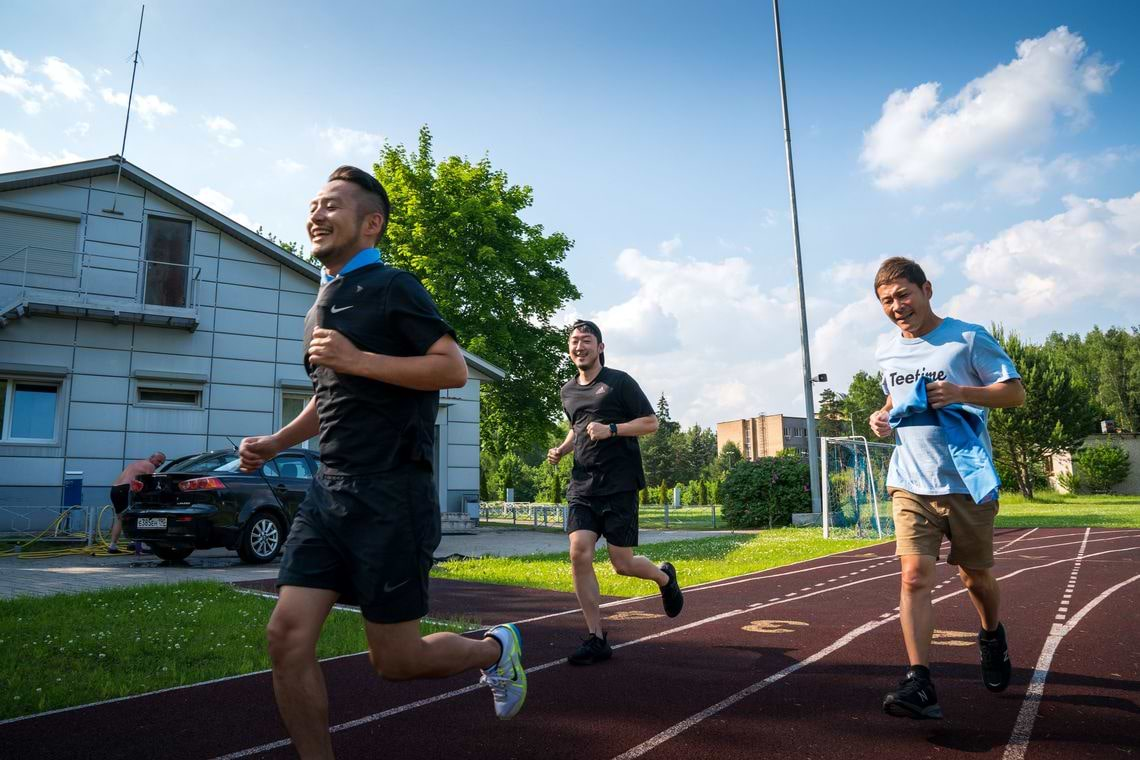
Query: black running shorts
{"points": [[370, 538], [613, 516], [120, 497]]}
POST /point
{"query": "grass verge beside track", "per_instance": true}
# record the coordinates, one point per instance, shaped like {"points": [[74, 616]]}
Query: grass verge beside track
{"points": [[1054, 510], [72, 649], [697, 561]]}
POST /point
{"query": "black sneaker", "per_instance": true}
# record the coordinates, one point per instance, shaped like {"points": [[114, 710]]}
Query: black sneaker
{"points": [[996, 668], [915, 698], [671, 596], [592, 650]]}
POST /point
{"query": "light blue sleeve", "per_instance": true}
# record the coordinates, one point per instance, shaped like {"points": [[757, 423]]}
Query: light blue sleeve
{"points": [[989, 360]]}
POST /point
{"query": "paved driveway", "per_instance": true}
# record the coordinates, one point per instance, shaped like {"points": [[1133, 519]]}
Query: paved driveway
{"points": [[42, 577]]}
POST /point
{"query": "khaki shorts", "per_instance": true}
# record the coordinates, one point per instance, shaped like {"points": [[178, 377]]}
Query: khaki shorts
{"points": [[922, 521]]}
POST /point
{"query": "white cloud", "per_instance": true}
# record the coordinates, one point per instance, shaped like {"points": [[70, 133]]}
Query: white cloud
{"points": [[670, 246], [13, 63], [343, 142], [288, 165], [66, 80], [224, 131], [17, 154], [768, 217], [148, 107], [31, 96], [77, 130], [1085, 257], [224, 204], [101, 74], [733, 246], [923, 141]]}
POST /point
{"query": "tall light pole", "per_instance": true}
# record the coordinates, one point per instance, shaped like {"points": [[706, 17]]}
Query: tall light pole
{"points": [[809, 398]]}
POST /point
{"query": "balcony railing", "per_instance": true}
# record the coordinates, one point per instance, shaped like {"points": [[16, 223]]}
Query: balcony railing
{"points": [[98, 286]]}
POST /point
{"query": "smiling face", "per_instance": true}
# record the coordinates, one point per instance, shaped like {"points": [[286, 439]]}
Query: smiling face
{"points": [[341, 224], [907, 305], [585, 349]]}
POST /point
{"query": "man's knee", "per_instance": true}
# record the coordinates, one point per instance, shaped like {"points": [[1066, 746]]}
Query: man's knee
{"points": [[581, 554], [623, 564], [976, 579], [917, 578], [394, 667], [287, 641]]}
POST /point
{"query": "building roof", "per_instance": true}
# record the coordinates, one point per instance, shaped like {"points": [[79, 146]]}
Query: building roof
{"points": [[49, 175]]}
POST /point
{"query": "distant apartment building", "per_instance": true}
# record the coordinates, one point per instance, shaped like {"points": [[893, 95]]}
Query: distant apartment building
{"points": [[763, 436]]}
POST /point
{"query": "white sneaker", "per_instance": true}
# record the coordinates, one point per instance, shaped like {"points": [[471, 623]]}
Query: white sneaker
{"points": [[507, 678]]}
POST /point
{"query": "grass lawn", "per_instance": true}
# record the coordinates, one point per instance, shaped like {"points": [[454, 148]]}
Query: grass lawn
{"points": [[73, 649], [1053, 510], [697, 561]]}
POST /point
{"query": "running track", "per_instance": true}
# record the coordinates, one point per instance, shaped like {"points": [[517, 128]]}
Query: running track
{"points": [[790, 662]]}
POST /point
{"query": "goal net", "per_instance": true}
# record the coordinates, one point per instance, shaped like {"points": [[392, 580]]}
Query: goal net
{"points": [[855, 488]]}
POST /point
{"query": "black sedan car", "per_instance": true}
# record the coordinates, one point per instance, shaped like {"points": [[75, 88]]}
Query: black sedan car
{"points": [[204, 501]]}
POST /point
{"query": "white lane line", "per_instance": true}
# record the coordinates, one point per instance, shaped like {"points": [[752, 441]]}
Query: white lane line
{"points": [[1068, 543], [1023, 535], [1023, 728], [693, 720]]}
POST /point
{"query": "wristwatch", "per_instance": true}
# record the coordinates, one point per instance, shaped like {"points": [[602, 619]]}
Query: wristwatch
{"points": [[613, 429]]}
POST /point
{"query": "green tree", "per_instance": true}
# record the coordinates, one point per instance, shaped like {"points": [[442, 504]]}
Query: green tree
{"points": [[729, 456], [864, 396], [497, 279], [833, 415], [1101, 467], [1056, 416], [1116, 356], [766, 492]]}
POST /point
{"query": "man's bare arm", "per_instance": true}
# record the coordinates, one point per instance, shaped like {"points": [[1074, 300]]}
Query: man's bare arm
{"points": [[441, 367], [1000, 395]]}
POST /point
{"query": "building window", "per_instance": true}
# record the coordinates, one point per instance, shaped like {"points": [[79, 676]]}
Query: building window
{"points": [[166, 277], [170, 396], [174, 395], [28, 410], [292, 404]]}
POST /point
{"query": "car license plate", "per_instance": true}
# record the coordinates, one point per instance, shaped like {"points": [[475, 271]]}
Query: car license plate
{"points": [[152, 522]]}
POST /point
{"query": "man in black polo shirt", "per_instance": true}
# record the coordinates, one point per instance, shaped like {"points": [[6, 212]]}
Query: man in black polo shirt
{"points": [[378, 353], [607, 411]]}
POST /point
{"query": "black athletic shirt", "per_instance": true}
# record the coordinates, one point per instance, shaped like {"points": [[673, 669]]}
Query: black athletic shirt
{"points": [[613, 465], [368, 426]]}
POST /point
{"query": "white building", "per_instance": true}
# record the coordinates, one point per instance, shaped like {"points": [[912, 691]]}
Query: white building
{"points": [[146, 321]]}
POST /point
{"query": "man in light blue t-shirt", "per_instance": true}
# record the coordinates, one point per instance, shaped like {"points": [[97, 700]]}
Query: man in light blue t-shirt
{"points": [[959, 369]]}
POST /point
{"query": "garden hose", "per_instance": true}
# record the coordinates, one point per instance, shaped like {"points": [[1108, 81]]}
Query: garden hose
{"points": [[96, 549]]}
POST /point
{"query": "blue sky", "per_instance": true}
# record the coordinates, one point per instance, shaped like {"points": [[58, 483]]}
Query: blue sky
{"points": [[651, 135]]}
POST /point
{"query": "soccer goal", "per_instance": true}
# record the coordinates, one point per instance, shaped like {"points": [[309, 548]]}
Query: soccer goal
{"points": [[855, 488]]}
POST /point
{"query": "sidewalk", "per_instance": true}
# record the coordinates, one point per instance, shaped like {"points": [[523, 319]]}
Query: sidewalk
{"points": [[72, 574]]}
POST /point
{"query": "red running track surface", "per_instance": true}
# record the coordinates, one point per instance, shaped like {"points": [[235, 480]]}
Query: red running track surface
{"points": [[789, 662]]}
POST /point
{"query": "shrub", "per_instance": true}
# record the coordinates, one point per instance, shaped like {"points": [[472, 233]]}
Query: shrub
{"points": [[1101, 467], [766, 492], [1071, 482]]}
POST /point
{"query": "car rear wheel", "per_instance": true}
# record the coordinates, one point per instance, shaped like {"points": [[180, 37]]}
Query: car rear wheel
{"points": [[170, 553], [261, 540]]}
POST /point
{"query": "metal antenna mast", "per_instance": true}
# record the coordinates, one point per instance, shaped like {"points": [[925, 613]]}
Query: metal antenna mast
{"points": [[809, 398], [127, 122]]}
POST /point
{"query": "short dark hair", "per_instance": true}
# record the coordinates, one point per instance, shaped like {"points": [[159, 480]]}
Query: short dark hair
{"points": [[899, 268], [369, 185]]}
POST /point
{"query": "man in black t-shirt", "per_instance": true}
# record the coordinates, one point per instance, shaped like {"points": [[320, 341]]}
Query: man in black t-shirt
{"points": [[607, 412], [378, 353]]}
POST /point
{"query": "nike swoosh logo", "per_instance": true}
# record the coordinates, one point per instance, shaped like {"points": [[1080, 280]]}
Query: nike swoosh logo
{"points": [[335, 310], [993, 684], [389, 588]]}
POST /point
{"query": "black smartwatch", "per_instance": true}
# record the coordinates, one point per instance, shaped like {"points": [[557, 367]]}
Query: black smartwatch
{"points": [[613, 429]]}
